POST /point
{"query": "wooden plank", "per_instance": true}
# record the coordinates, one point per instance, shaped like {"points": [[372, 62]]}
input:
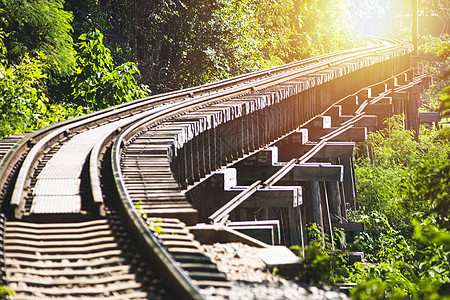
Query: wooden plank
{"points": [[326, 212], [334, 199], [379, 108], [349, 187], [276, 256], [355, 134], [276, 196], [429, 117], [331, 149], [319, 122], [350, 226], [307, 172]]}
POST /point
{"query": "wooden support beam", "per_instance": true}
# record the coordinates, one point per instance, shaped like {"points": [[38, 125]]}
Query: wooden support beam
{"points": [[267, 231], [268, 156], [364, 94], [288, 147], [300, 173], [334, 200], [378, 88], [296, 232], [349, 181], [319, 122], [370, 121], [275, 196], [349, 105], [334, 112], [355, 134], [297, 137], [399, 100], [379, 108], [326, 212], [313, 203], [331, 149], [382, 100], [429, 117], [412, 111]]}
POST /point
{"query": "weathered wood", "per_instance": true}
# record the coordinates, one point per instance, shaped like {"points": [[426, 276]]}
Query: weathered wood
{"points": [[275, 238], [349, 105], [383, 100], [364, 94], [355, 134], [276, 196], [349, 186], [379, 108], [331, 149], [412, 112], [295, 226], [334, 112], [263, 233], [221, 214], [265, 157], [401, 79], [399, 100], [313, 203], [378, 88], [429, 117], [370, 121], [288, 147], [334, 200], [326, 212], [350, 226], [319, 122], [307, 172]]}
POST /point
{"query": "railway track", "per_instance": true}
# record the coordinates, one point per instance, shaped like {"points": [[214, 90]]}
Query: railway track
{"points": [[97, 207]]}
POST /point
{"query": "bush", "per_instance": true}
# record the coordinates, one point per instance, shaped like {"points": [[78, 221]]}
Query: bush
{"points": [[403, 191], [98, 83]]}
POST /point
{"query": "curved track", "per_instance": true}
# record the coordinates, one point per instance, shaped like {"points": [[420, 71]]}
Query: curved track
{"points": [[65, 188]]}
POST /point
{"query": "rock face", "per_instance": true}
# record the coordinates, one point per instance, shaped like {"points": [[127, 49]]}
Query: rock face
{"points": [[252, 280]]}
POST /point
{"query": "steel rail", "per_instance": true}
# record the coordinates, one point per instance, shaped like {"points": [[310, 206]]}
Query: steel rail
{"points": [[186, 288], [172, 96], [44, 137], [175, 103], [177, 109]]}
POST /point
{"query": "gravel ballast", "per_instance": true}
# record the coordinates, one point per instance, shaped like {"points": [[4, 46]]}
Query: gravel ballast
{"points": [[252, 280]]}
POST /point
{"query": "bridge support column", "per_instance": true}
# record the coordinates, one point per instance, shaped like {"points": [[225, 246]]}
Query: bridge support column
{"points": [[349, 181], [412, 111], [334, 200], [313, 203]]}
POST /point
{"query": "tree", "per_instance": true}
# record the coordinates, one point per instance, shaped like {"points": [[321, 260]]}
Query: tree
{"points": [[178, 44], [98, 83], [40, 26]]}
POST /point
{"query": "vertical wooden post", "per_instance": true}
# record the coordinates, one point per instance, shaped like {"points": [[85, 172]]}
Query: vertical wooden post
{"points": [[295, 226], [326, 212], [413, 112], [349, 186], [334, 198], [314, 205]]}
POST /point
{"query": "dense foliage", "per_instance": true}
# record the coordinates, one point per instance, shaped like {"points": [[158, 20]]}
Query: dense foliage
{"points": [[97, 83], [404, 198], [178, 44], [435, 61], [60, 59], [33, 27]]}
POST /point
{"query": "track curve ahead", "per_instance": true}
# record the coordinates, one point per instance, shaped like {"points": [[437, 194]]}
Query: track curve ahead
{"points": [[96, 206]]}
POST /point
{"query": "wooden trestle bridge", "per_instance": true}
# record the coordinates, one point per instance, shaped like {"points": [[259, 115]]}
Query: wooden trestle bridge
{"points": [[108, 205]]}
